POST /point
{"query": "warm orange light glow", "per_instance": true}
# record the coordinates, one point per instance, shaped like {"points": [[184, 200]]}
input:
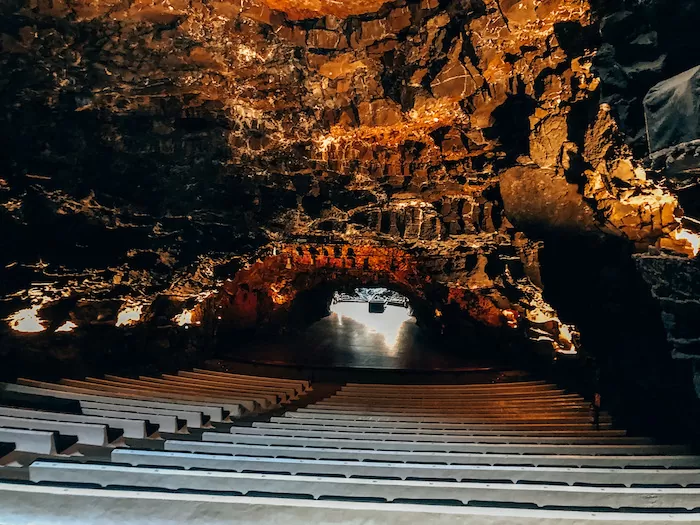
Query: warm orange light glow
{"points": [[683, 235], [511, 318], [68, 326], [27, 320], [129, 315], [566, 344], [185, 318], [276, 295]]}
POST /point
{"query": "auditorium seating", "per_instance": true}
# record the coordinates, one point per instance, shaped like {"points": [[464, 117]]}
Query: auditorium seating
{"points": [[493, 451]]}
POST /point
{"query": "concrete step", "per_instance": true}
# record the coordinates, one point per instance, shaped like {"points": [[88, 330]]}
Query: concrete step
{"points": [[388, 490], [427, 428], [437, 438], [512, 474], [416, 446], [294, 418], [449, 458], [256, 379], [61, 505], [292, 390], [233, 411], [307, 413]]}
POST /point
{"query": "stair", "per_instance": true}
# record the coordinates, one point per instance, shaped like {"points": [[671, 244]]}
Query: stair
{"points": [[503, 449]]}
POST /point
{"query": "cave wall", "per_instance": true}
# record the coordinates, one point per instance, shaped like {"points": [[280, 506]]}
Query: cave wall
{"points": [[158, 155], [644, 44]]}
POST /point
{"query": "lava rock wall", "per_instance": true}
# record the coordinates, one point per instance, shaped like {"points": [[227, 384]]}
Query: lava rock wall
{"points": [[154, 149]]}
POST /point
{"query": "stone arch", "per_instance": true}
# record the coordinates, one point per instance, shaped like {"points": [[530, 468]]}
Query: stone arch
{"points": [[265, 292], [469, 304]]}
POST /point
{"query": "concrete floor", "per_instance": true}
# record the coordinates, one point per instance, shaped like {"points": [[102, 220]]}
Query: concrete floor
{"points": [[351, 337]]}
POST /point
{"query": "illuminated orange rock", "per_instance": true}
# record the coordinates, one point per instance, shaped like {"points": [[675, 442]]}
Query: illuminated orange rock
{"points": [[300, 9], [199, 132]]}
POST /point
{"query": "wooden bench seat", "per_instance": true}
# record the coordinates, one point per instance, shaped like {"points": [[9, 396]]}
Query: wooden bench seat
{"points": [[435, 438], [277, 394], [455, 386], [436, 386], [433, 417], [437, 428], [173, 392], [305, 385], [292, 391], [485, 401], [402, 422], [475, 396], [458, 399], [235, 409], [263, 398], [212, 413], [448, 389], [451, 407]]}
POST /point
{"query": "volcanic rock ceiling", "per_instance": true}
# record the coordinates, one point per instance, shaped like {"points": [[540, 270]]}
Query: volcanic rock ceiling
{"points": [[171, 161]]}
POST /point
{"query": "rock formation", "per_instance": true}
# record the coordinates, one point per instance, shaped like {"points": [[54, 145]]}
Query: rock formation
{"points": [[198, 163]]}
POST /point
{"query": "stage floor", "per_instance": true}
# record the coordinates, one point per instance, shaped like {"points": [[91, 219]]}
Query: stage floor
{"points": [[358, 339]]}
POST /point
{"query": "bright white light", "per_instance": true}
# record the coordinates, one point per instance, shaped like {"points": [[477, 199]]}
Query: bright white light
{"points": [[129, 315], [68, 326], [183, 318], [692, 239], [388, 324], [27, 320]]}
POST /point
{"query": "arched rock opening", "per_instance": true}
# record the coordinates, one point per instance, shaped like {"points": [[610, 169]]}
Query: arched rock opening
{"points": [[466, 295], [155, 149]]}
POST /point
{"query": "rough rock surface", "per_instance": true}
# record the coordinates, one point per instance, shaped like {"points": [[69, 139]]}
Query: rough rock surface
{"points": [[676, 285], [647, 54], [153, 150]]}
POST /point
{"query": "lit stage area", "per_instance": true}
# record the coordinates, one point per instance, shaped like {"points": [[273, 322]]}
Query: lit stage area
{"points": [[370, 329]]}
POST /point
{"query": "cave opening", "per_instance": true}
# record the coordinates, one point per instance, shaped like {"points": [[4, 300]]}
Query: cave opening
{"points": [[352, 324], [380, 316]]}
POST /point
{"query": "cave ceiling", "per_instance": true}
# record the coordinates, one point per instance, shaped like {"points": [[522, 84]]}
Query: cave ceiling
{"points": [[166, 152]]}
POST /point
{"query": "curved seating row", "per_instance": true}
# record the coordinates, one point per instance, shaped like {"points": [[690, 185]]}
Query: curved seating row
{"points": [[108, 410], [520, 452]]}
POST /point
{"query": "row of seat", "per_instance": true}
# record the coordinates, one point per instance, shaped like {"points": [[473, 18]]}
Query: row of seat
{"points": [[58, 505], [515, 452], [107, 411], [391, 490]]}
